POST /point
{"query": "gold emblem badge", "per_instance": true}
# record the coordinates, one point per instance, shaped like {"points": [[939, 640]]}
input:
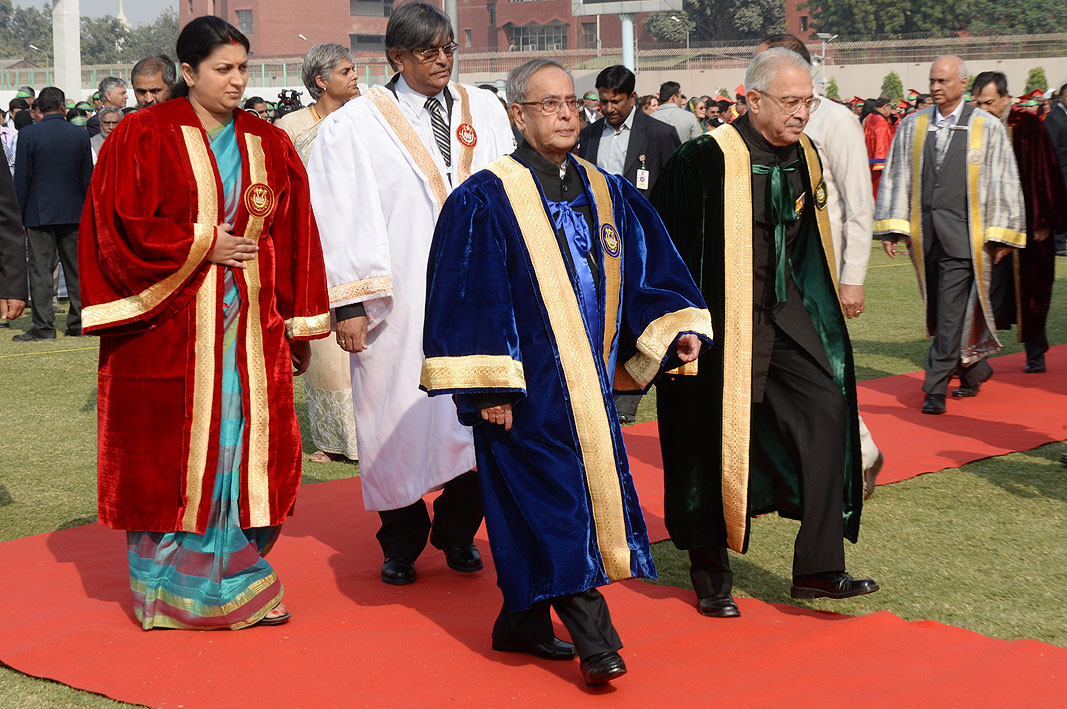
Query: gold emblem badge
{"points": [[975, 156], [798, 206], [612, 242], [820, 195], [259, 199], [465, 134]]}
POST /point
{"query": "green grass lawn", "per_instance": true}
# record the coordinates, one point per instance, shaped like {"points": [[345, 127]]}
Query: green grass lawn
{"points": [[983, 546]]}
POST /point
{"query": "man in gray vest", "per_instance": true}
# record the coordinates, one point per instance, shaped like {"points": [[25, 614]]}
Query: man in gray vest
{"points": [[970, 215]]}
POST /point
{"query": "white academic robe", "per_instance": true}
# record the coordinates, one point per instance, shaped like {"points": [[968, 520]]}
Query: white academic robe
{"points": [[376, 202]]}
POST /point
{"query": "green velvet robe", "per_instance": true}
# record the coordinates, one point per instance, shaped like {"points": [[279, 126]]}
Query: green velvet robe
{"points": [[712, 485]]}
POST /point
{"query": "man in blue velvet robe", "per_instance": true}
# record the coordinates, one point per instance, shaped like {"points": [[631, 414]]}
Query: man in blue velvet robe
{"points": [[549, 281]]}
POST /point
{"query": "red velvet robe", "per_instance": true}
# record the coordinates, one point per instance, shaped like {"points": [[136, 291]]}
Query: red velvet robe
{"points": [[155, 300], [1025, 294], [879, 136]]}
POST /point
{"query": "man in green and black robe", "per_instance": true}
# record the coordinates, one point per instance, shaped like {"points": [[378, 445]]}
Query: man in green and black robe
{"points": [[770, 422]]}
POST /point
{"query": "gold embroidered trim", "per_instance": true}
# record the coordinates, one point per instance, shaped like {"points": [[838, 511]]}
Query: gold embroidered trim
{"points": [[689, 369], [612, 264], [822, 217], [466, 153], [916, 230], [472, 372], [1005, 236], [203, 375], [307, 326], [896, 226], [361, 289], [737, 334], [418, 152], [258, 408], [657, 338], [195, 607], [584, 389]]}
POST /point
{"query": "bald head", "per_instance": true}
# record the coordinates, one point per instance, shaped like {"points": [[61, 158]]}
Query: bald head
{"points": [[948, 81]]}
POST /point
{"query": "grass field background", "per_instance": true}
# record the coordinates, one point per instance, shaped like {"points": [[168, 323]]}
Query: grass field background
{"points": [[982, 547]]}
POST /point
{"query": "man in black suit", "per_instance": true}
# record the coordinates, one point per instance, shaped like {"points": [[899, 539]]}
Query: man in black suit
{"points": [[627, 142], [13, 291], [53, 165], [1056, 124]]}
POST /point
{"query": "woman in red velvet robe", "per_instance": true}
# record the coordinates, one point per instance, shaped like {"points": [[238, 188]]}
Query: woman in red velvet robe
{"points": [[201, 324]]}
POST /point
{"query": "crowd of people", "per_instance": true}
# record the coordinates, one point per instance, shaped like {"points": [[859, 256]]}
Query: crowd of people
{"points": [[503, 279]]}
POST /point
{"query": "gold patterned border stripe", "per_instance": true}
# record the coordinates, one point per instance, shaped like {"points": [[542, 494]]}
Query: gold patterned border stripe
{"points": [[418, 152], [472, 372], [203, 237], [1005, 235], [605, 213], [737, 334], [659, 335], [361, 289], [307, 326], [258, 408], [822, 216], [203, 384], [580, 375], [916, 249], [466, 153], [974, 209], [896, 226]]}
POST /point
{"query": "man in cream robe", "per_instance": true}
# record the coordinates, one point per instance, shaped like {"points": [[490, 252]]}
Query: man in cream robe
{"points": [[379, 178], [951, 189]]}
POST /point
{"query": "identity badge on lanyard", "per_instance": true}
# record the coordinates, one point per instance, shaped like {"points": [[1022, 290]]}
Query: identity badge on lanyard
{"points": [[642, 175]]}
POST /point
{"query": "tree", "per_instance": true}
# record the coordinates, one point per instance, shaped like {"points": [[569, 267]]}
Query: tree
{"points": [[158, 37], [103, 40], [832, 91], [890, 18], [1035, 80], [892, 86], [720, 20]]}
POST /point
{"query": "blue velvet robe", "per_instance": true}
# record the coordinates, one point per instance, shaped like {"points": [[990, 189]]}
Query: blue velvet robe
{"points": [[560, 504]]}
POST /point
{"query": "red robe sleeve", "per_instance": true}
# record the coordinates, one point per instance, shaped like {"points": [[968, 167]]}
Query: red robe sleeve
{"points": [[1039, 170], [300, 286], [878, 136], [142, 254]]}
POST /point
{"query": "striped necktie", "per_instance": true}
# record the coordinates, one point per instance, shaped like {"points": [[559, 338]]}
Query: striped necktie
{"points": [[440, 129]]}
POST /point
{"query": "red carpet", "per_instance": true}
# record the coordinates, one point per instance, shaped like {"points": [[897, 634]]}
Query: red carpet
{"points": [[1013, 412], [354, 641]]}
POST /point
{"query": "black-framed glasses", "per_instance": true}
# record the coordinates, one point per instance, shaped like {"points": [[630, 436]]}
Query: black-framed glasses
{"points": [[792, 105], [552, 104], [430, 54]]}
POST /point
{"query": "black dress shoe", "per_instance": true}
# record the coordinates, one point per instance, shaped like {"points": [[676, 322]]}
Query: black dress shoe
{"points": [[464, 558], [965, 392], [1035, 366], [721, 606], [602, 668], [832, 584], [398, 571], [32, 336], [870, 475], [934, 404], [73, 332], [554, 649]]}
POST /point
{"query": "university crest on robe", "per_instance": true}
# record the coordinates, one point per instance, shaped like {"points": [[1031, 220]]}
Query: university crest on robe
{"points": [[259, 199]]}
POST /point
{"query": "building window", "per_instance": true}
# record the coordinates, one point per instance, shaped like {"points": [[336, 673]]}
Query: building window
{"points": [[367, 42], [467, 38], [492, 14], [542, 37], [370, 8], [803, 23], [589, 35], [244, 21]]}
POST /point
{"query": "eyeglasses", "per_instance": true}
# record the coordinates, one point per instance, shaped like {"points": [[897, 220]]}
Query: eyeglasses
{"points": [[428, 55], [792, 105], [552, 104]]}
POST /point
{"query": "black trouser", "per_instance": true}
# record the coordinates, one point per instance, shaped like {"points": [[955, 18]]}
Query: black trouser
{"points": [[626, 405], [457, 514], [807, 412], [585, 615], [949, 283], [49, 245]]}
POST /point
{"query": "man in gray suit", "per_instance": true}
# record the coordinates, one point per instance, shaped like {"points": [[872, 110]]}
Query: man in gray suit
{"points": [[970, 214], [671, 111]]}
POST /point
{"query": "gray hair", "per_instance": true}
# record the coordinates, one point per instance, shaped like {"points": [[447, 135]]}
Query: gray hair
{"points": [[520, 76], [415, 25], [321, 60], [110, 83], [110, 109], [764, 67], [963, 66]]}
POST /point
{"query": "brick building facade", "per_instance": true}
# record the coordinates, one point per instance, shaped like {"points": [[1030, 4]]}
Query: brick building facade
{"points": [[274, 27]]}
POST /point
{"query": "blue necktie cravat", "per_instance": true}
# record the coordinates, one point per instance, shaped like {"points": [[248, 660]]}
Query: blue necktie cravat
{"points": [[574, 227]]}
